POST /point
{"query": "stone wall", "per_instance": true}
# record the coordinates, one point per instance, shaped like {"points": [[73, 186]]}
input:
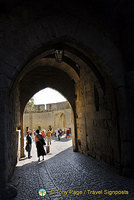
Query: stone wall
{"points": [[97, 119], [100, 37], [58, 115]]}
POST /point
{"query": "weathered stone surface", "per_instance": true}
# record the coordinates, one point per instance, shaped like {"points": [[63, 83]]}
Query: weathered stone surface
{"points": [[96, 74], [65, 170], [11, 192], [58, 115]]}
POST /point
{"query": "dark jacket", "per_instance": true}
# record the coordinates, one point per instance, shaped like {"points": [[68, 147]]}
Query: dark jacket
{"points": [[29, 139]]}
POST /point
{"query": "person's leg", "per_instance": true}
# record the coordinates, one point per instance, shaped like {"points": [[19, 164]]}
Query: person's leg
{"points": [[39, 159], [29, 154], [47, 141]]}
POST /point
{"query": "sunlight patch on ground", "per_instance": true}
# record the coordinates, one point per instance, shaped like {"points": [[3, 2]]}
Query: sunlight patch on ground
{"points": [[55, 148]]}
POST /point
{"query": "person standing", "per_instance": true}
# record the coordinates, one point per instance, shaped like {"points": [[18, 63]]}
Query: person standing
{"points": [[59, 134], [43, 134], [56, 133], [29, 143], [48, 134], [39, 141]]}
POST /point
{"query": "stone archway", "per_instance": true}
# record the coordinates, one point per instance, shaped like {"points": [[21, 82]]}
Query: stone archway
{"points": [[89, 56], [59, 120], [90, 92], [97, 71]]}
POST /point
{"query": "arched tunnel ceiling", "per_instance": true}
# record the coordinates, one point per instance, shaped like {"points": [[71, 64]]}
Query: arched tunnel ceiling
{"points": [[46, 76], [44, 71], [31, 16], [103, 6], [72, 60], [68, 68]]}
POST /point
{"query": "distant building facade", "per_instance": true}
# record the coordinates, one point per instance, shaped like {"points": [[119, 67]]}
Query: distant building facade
{"points": [[58, 115]]}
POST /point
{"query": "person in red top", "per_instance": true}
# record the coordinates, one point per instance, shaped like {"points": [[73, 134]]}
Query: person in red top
{"points": [[43, 134], [67, 133]]}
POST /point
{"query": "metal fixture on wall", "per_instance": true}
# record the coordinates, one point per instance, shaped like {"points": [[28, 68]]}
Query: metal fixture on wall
{"points": [[59, 55]]}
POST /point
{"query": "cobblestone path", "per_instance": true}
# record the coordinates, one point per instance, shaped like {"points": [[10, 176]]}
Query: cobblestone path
{"points": [[69, 175]]}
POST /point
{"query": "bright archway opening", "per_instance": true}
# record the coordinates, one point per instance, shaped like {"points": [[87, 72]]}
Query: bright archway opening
{"points": [[49, 110], [90, 90]]}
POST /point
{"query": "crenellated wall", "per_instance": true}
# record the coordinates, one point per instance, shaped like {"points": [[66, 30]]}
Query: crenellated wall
{"points": [[58, 115]]}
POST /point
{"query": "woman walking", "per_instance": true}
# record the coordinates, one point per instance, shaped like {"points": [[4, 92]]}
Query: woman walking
{"points": [[39, 141]]}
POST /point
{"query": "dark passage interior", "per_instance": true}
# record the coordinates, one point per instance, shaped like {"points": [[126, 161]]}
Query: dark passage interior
{"points": [[84, 51]]}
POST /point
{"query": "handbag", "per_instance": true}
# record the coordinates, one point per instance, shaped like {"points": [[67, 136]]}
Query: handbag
{"points": [[43, 141], [27, 148]]}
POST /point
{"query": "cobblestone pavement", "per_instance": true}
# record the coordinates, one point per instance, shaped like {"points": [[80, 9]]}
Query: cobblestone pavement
{"points": [[68, 175]]}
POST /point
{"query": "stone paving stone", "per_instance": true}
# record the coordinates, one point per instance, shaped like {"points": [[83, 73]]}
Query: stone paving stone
{"points": [[64, 170]]}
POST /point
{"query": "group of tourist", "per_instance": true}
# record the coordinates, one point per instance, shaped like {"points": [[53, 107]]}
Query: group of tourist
{"points": [[39, 138], [59, 132]]}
